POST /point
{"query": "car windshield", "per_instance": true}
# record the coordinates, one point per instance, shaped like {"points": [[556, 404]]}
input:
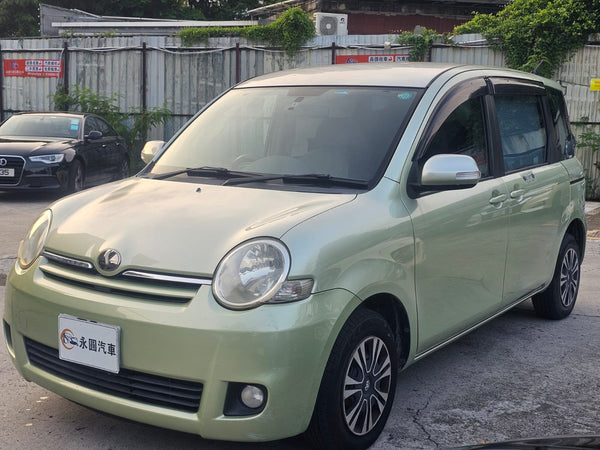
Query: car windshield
{"points": [[41, 125], [340, 132]]}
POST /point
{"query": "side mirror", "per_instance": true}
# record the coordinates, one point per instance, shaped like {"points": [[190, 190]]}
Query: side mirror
{"points": [[450, 172], [94, 135], [151, 148]]}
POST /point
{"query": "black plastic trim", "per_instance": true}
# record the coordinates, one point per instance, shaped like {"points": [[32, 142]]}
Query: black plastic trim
{"points": [[138, 386]]}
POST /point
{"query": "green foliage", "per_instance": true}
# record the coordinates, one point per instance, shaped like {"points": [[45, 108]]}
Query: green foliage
{"points": [[19, 18], [420, 43], [531, 32], [589, 140], [108, 34], [290, 31], [85, 100], [133, 126]]}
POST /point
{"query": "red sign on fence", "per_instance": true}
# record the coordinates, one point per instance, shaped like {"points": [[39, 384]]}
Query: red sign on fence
{"points": [[45, 68], [348, 59]]}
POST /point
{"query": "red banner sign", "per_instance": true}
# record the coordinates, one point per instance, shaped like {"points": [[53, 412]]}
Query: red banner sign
{"points": [[44, 68], [348, 59]]}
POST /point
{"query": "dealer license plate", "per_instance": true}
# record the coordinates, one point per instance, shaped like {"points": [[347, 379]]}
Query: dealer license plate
{"points": [[7, 172], [88, 343]]}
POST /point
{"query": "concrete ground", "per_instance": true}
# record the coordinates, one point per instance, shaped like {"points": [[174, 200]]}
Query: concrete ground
{"points": [[517, 376]]}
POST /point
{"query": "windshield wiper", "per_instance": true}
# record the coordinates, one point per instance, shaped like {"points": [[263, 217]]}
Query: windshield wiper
{"points": [[315, 179], [219, 172]]}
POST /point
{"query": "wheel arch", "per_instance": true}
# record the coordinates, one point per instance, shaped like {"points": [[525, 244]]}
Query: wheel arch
{"points": [[577, 229], [81, 159], [395, 314], [77, 159]]}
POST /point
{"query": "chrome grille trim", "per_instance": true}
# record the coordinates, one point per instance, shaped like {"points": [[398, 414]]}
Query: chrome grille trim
{"points": [[68, 261], [13, 162], [166, 278], [140, 284], [141, 387]]}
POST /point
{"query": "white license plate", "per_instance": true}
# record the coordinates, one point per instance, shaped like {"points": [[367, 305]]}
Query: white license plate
{"points": [[88, 343], [7, 172]]}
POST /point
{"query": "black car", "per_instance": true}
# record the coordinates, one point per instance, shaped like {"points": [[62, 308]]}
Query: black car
{"points": [[64, 151]]}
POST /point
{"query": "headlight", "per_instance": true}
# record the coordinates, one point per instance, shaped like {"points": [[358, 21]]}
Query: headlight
{"points": [[31, 247], [254, 273], [48, 159]]}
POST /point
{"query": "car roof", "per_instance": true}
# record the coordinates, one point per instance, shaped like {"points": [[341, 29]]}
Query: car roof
{"points": [[52, 113], [407, 75]]}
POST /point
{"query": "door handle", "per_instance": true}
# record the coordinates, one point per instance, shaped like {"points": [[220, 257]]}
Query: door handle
{"points": [[498, 200], [518, 194], [103, 145]]}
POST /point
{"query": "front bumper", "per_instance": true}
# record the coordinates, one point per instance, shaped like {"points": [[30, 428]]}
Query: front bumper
{"points": [[34, 176], [282, 347]]}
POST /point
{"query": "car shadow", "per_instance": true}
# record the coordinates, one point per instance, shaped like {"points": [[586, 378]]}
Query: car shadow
{"points": [[30, 196]]}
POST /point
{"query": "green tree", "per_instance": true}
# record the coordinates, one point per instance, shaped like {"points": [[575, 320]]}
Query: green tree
{"points": [[19, 18], [290, 31], [133, 125], [420, 42], [534, 32]]}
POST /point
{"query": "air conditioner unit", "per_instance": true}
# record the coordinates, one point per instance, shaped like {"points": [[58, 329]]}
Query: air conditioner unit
{"points": [[328, 24]]}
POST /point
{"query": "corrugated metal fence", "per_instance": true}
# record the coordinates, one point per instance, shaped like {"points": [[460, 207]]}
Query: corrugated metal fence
{"points": [[156, 71]]}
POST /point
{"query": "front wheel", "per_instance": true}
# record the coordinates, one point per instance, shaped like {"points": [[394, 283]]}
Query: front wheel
{"points": [[558, 300], [76, 176], [358, 386], [123, 169]]}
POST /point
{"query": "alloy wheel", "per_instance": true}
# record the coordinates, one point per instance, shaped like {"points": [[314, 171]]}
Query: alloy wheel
{"points": [[124, 169], [367, 385], [569, 277], [78, 178]]}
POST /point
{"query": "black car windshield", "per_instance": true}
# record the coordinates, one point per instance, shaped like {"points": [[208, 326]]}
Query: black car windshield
{"points": [[41, 125], [338, 132]]}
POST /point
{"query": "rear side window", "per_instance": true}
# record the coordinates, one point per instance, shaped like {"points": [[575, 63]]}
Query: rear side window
{"points": [[522, 132]]}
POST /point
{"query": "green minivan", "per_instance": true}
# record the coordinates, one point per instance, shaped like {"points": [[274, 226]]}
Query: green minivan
{"points": [[306, 236]]}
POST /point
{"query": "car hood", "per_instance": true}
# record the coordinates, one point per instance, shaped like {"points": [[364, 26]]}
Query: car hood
{"points": [[175, 227], [25, 147]]}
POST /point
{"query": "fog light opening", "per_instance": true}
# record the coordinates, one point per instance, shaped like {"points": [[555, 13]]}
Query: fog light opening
{"points": [[252, 396], [244, 399]]}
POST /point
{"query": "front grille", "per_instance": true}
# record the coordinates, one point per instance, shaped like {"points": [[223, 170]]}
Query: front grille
{"points": [[128, 384], [131, 284], [12, 162]]}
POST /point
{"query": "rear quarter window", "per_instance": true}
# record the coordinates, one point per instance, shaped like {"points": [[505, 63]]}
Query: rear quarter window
{"points": [[560, 120]]}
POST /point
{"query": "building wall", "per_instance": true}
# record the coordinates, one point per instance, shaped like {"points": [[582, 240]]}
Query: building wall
{"points": [[364, 23]]}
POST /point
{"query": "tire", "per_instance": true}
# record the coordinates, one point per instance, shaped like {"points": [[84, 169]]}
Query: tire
{"points": [[76, 176], [558, 300], [351, 416]]}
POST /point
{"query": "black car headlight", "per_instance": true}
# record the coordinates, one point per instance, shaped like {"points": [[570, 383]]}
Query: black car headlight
{"points": [[48, 159]]}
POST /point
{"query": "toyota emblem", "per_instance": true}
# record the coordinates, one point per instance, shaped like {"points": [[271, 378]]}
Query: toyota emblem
{"points": [[109, 260], [3, 162]]}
